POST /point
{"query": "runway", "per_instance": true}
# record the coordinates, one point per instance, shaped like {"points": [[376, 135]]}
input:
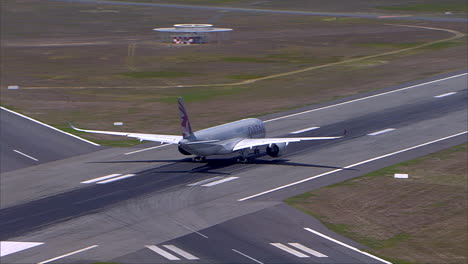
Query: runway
{"points": [[124, 203], [27, 143]]}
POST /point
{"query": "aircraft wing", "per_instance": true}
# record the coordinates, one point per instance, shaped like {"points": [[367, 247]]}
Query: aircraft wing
{"points": [[255, 142], [170, 139]]}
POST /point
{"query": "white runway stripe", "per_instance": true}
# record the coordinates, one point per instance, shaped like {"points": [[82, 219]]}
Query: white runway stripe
{"points": [[289, 250], [350, 166], [220, 181], [27, 156], [204, 181], [117, 178], [145, 149], [346, 245], [51, 127], [381, 132], [66, 255], [308, 250], [163, 253], [10, 247], [444, 95], [304, 130], [181, 252], [102, 178]]}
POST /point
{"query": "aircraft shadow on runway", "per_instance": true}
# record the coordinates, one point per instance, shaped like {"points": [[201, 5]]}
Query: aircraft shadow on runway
{"points": [[210, 165]]}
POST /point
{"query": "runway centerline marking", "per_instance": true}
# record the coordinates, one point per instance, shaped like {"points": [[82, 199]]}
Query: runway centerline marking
{"points": [[117, 178], [308, 250], [381, 132], [247, 256], [290, 250], [346, 245], [181, 252], [350, 166], [51, 127], [304, 130], [162, 252], [145, 149], [365, 98], [27, 156], [444, 95], [10, 247], [204, 181], [220, 181], [101, 178], [66, 255]]}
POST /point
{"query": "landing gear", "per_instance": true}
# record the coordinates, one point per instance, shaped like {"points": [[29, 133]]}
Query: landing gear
{"points": [[246, 158], [199, 159]]}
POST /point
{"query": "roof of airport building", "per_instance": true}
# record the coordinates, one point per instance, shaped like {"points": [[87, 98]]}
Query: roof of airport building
{"points": [[192, 28]]}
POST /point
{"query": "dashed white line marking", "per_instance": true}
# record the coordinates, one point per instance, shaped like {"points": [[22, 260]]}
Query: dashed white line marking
{"points": [[117, 178], [444, 95], [247, 256], [27, 156], [204, 181], [346, 245], [181, 252], [162, 252], [304, 130], [381, 132], [51, 127], [290, 250], [364, 98], [10, 247], [101, 178], [66, 255], [350, 166], [145, 149], [220, 181], [308, 250]]}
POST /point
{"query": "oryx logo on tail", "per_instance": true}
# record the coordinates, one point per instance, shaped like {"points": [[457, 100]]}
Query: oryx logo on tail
{"points": [[184, 120]]}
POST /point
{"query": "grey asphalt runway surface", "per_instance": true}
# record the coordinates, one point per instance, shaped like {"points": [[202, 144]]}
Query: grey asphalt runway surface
{"points": [[161, 198], [26, 143], [255, 10]]}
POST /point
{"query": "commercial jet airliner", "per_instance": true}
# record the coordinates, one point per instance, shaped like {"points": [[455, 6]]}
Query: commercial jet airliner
{"points": [[244, 136]]}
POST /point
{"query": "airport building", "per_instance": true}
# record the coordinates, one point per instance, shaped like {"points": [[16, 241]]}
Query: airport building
{"points": [[193, 33]]}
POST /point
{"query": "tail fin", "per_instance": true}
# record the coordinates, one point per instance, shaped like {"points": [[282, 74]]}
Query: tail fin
{"points": [[184, 120]]}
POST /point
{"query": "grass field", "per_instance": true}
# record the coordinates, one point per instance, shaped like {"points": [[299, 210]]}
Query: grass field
{"points": [[94, 68], [417, 220]]}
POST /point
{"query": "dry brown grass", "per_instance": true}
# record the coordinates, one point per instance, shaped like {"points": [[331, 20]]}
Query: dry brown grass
{"points": [[262, 45], [421, 220]]}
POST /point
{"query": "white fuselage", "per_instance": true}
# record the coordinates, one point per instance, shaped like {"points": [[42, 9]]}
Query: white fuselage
{"points": [[226, 137]]}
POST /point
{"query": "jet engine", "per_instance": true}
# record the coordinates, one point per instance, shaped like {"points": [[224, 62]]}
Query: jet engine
{"points": [[183, 151], [276, 150]]}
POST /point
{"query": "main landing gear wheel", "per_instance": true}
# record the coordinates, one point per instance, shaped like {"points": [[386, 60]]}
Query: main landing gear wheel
{"points": [[199, 159], [244, 160]]}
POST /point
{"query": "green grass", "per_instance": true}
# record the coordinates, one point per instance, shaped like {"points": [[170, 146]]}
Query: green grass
{"points": [[157, 74], [445, 44], [201, 94], [389, 45], [436, 7], [244, 76], [294, 57]]}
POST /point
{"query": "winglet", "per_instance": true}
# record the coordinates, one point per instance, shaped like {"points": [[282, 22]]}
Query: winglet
{"points": [[184, 120]]}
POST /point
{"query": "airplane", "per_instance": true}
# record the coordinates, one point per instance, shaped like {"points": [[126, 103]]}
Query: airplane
{"points": [[239, 136]]}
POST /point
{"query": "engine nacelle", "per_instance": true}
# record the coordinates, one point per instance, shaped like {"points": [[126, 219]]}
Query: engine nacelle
{"points": [[276, 150], [183, 151]]}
